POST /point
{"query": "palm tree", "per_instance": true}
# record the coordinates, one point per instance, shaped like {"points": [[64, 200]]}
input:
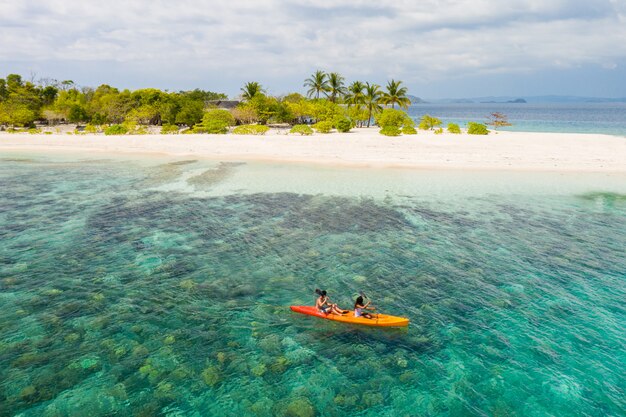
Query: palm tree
{"points": [[251, 89], [317, 83], [355, 94], [355, 97], [396, 94], [335, 86], [372, 100]]}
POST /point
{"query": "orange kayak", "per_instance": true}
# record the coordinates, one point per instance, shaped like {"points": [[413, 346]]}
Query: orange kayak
{"points": [[378, 320]]}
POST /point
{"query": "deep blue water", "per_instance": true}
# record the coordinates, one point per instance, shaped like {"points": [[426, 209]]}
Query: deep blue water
{"points": [[607, 118], [161, 287]]}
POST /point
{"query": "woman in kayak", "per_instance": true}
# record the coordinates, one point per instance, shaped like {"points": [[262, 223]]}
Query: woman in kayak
{"points": [[359, 306], [324, 306]]}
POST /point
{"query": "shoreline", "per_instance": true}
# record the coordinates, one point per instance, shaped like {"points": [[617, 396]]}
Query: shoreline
{"points": [[501, 151]]}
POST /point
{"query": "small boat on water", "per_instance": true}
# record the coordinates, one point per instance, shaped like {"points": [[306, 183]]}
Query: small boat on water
{"points": [[377, 320]]}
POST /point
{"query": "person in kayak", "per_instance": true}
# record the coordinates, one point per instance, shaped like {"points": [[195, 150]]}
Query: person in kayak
{"points": [[323, 305], [359, 306]]}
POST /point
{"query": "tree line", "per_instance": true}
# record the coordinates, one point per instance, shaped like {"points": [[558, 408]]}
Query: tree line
{"points": [[328, 98], [22, 103]]}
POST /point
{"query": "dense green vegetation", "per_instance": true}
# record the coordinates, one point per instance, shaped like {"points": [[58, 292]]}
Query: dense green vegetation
{"points": [[22, 103], [330, 104]]}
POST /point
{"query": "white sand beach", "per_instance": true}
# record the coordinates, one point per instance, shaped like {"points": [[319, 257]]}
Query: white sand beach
{"points": [[562, 152]]}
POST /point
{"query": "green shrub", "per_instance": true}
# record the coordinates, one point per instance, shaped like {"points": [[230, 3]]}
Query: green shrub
{"points": [[216, 127], [47, 133], [89, 128], [304, 130], [409, 130], [323, 127], [439, 131], [343, 125], [390, 131], [429, 122], [12, 130], [169, 129], [454, 128], [251, 130], [115, 130], [34, 131], [474, 128], [393, 122], [394, 117], [215, 121], [221, 115], [138, 130]]}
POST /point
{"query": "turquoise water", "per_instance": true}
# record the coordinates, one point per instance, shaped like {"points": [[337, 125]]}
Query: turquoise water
{"points": [[161, 287], [606, 118]]}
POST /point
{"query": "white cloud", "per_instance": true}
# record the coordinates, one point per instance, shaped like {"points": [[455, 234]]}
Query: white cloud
{"points": [[271, 39]]}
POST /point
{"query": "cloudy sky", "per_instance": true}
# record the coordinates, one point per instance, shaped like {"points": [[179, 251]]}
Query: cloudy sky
{"points": [[439, 48]]}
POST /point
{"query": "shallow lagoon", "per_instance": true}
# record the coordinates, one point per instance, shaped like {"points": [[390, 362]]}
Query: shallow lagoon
{"points": [[161, 287]]}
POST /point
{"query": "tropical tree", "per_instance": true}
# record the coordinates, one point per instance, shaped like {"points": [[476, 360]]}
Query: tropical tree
{"points": [[190, 113], [66, 85], [396, 95], [49, 94], [204, 96], [4, 91], [336, 86], [22, 102], [143, 115], [355, 99], [13, 82], [301, 108], [69, 100], [371, 100], [326, 110], [355, 94], [251, 89], [16, 114], [317, 83]]}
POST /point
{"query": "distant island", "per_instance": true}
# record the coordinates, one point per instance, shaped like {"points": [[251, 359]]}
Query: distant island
{"points": [[527, 99], [517, 100], [416, 100]]}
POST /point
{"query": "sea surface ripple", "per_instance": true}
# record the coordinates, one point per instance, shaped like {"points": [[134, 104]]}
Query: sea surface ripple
{"points": [[134, 288]]}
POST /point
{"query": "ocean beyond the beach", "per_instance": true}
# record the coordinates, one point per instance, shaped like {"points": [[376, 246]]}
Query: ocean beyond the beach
{"points": [[162, 287], [604, 118]]}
